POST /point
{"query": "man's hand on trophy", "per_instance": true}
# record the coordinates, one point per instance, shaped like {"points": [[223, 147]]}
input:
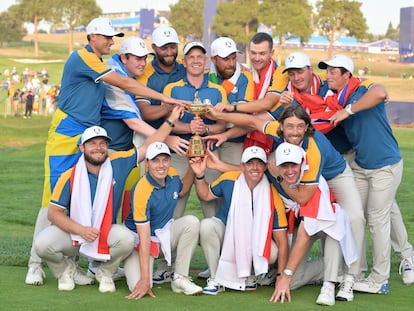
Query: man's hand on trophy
{"points": [[215, 141], [223, 107], [176, 113], [175, 102], [212, 113], [177, 144], [197, 126], [198, 165]]}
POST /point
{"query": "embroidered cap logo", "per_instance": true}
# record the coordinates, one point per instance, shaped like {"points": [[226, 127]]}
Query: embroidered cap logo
{"points": [[255, 150], [286, 151]]}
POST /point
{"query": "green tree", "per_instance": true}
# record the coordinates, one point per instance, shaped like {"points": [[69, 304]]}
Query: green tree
{"points": [[237, 19], [288, 19], [32, 11], [392, 33], [336, 16], [11, 28], [186, 17], [73, 14]]}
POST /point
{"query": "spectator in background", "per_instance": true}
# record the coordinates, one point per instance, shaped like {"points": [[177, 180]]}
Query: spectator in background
{"points": [[16, 102], [30, 97]]}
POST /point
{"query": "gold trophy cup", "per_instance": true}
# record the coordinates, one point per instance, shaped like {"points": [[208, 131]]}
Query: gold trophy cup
{"points": [[197, 148]]}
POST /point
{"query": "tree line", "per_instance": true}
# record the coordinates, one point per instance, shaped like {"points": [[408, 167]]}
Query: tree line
{"points": [[238, 19]]}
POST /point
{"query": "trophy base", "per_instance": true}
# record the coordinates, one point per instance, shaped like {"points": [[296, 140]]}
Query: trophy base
{"points": [[196, 148]]}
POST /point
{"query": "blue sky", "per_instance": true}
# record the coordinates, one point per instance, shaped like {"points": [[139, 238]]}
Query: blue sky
{"points": [[378, 13]]}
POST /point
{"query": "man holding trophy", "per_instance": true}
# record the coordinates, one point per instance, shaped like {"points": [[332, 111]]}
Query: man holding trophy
{"points": [[196, 88]]}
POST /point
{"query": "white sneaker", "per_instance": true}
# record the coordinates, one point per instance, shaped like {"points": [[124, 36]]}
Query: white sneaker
{"points": [[213, 287], [204, 274], [251, 283], [35, 275], [106, 283], [268, 279], [368, 286], [66, 281], [407, 270], [94, 265], [161, 277], [327, 295], [184, 284], [81, 278], [345, 292]]}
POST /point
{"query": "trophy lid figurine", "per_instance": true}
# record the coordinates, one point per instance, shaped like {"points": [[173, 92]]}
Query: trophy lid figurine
{"points": [[197, 147]]}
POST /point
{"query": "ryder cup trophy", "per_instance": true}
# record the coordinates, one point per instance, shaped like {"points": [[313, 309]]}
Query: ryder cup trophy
{"points": [[197, 148]]}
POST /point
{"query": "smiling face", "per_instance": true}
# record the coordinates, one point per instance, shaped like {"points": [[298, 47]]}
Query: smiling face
{"points": [[134, 65], [301, 79], [166, 55], [336, 78], [194, 62], [294, 130], [95, 150], [253, 171], [260, 55], [101, 44], [158, 167], [225, 66], [290, 172]]}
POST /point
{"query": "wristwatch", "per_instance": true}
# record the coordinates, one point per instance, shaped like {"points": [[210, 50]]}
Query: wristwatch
{"points": [[288, 272], [348, 109], [279, 179]]}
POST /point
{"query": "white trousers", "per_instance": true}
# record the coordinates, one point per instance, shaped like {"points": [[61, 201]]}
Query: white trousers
{"points": [[184, 233], [53, 245]]}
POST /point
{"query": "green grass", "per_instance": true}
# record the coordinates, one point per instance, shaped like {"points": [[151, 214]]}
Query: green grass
{"points": [[21, 156]]}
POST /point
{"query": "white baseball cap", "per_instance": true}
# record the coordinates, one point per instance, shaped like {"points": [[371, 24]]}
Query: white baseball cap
{"points": [[254, 152], [296, 60], [338, 61], [193, 44], [163, 35], [223, 47], [155, 149], [102, 26], [286, 152], [93, 132], [135, 46]]}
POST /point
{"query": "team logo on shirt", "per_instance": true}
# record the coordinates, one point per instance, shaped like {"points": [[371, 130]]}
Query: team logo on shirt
{"points": [[175, 195]]}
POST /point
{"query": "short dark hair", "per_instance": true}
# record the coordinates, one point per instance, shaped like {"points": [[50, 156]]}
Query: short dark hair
{"points": [[343, 71], [260, 37], [298, 112]]}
